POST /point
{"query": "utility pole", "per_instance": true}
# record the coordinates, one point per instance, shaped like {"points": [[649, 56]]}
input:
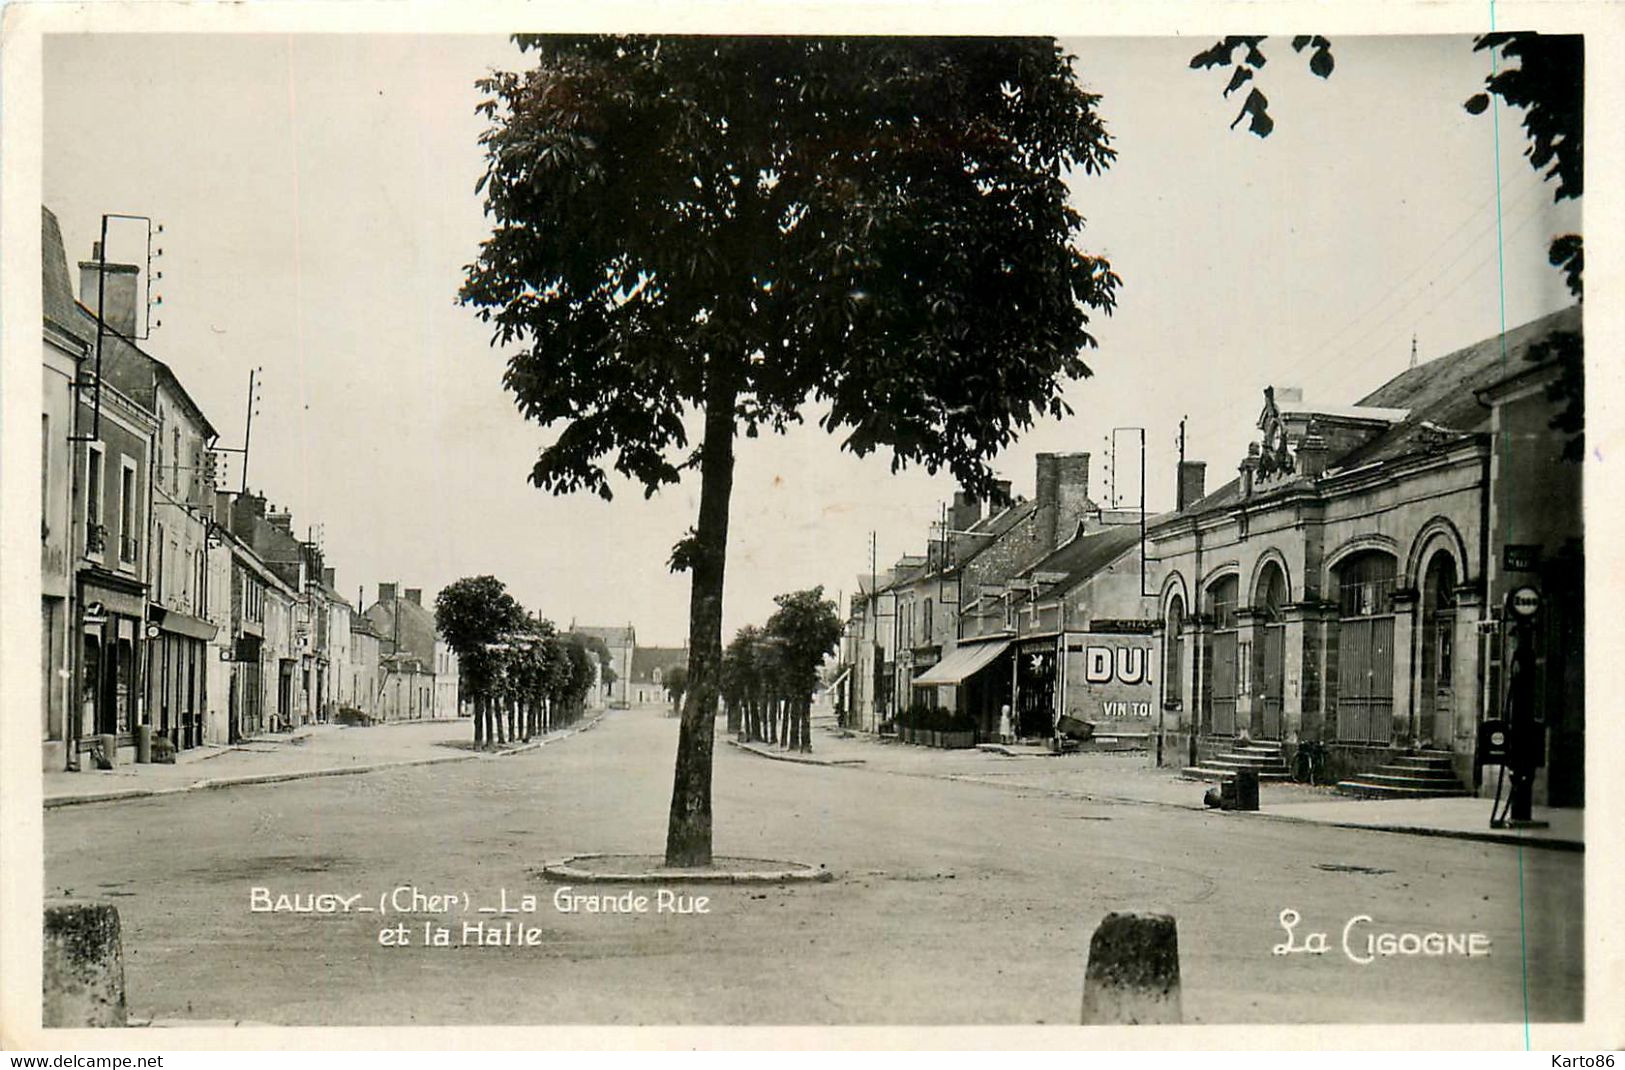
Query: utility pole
{"points": [[248, 428], [1179, 485]]}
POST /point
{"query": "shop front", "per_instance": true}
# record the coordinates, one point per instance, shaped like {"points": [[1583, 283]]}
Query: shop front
{"points": [[1108, 681], [177, 674], [980, 676], [110, 629]]}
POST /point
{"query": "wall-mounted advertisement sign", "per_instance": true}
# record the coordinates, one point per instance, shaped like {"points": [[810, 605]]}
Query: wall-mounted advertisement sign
{"points": [[1109, 680]]}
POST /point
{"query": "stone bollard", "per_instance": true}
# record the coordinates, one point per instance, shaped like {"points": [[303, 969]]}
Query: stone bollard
{"points": [[1246, 789], [84, 966], [1133, 972], [143, 744]]}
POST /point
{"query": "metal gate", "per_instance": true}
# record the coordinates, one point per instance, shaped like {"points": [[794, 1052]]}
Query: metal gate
{"points": [[1270, 680], [1224, 684], [1365, 680]]}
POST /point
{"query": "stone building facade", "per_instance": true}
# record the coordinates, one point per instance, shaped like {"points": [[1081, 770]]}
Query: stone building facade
{"points": [[1341, 589]]}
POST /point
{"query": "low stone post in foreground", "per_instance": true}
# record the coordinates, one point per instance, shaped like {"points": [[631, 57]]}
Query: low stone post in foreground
{"points": [[1133, 972], [84, 966]]}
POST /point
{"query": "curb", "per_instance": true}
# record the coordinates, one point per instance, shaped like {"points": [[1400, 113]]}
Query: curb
{"points": [[797, 759], [561, 869], [1485, 836], [308, 774]]}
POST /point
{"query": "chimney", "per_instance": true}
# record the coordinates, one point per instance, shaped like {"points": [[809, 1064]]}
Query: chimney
{"points": [[414, 595], [1192, 484], [283, 522], [118, 307], [1002, 498], [1063, 495], [386, 592], [965, 512], [330, 578]]}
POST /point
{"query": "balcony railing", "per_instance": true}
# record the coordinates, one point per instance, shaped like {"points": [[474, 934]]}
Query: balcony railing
{"points": [[95, 538], [129, 548]]}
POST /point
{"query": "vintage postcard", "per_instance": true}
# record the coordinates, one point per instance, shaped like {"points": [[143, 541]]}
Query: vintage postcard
{"points": [[1077, 522]]}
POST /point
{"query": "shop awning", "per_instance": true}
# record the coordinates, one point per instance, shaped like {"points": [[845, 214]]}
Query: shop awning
{"points": [[178, 623], [963, 663]]}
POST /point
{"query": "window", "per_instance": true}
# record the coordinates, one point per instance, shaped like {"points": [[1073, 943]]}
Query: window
{"points": [[926, 624], [95, 534], [1223, 596], [1365, 585], [158, 444], [129, 513], [1173, 673], [158, 570], [175, 460]]}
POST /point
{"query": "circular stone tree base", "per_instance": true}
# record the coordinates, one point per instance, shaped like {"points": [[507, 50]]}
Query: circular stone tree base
{"points": [[652, 869]]}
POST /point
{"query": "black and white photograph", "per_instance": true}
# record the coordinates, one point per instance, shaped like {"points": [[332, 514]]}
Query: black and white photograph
{"points": [[768, 522]]}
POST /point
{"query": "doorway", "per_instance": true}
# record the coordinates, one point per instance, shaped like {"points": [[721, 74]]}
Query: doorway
{"points": [[1436, 712]]}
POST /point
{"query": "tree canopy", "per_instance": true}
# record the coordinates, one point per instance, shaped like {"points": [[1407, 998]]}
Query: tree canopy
{"points": [[879, 224], [741, 226]]}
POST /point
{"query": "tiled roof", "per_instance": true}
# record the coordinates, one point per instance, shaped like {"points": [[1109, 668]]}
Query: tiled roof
{"points": [[1439, 396], [416, 626], [622, 635], [60, 308], [1089, 553], [646, 659], [1441, 392]]}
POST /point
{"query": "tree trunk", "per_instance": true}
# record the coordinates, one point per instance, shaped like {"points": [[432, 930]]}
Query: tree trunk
{"points": [[806, 725], [479, 720], [688, 832]]}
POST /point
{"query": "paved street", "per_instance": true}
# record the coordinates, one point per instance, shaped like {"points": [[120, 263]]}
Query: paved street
{"points": [[956, 901]]}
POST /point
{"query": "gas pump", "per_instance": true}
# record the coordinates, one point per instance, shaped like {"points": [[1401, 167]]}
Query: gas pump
{"points": [[1525, 722]]}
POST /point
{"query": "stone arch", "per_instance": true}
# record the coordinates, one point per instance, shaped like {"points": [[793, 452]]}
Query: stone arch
{"points": [[1438, 533], [1174, 587], [1219, 572], [1269, 557], [1356, 545]]}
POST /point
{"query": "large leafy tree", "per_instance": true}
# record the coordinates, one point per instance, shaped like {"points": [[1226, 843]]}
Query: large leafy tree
{"points": [[474, 615], [876, 230]]}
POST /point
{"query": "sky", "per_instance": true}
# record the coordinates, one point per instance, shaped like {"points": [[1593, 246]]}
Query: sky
{"points": [[317, 197]]}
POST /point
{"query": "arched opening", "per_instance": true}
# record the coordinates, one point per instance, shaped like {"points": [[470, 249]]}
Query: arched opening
{"points": [[1221, 679], [1269, 600], [1436, 712], [1365, 648], [1173, 655]]}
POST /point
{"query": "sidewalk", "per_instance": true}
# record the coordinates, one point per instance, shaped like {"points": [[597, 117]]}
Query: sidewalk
{"points": [[1129, 777], [309, 751]]}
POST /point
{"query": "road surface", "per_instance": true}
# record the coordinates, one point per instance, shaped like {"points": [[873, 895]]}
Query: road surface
{"points": [[954, 902]]}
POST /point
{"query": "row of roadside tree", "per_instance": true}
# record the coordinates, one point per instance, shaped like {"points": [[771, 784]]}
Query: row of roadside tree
{"points": [[769, 672], [523, 676]]}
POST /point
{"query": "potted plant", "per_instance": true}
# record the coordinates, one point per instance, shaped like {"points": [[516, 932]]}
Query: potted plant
{"points": [[961, 733]]}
